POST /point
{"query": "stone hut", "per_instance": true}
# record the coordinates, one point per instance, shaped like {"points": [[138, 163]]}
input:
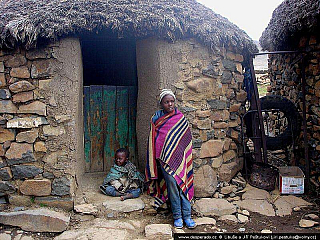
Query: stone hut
{"points": [[294, 26], [79, 79]]}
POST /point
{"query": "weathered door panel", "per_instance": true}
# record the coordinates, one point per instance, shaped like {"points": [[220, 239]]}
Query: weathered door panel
{"points": [[109, 123]]}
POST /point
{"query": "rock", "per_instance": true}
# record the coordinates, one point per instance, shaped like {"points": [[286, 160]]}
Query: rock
{"points": [[20, 72], [86, 209], [61, 186], [36, 107], [27, 136], [228, 170], [229, 155], [62, 118], [242, 218], [5, 174], [15, 61], [7, 106], [38, 187], [38, 220], [40, 147], [285, 204], [217, 162], [231, 218], [21, 86], [94, 233], [304, 223], [312, 216], [296, 209], [235, 107], [255, 193], [227, 190], [41, 68], [266, 231], [205, 182], [44, 84], [19, 200], [6, 135], [6, 188], [2, 80], [20, 153], [53, 131], [245, 212], [1, 67], [217, 104], [25, 171], [200, 85], [23, 97], [205, 221], [27, 122], [239, 182], [214, 207], [158, 231], [5, 94], [128, 205], [5, 236], [65, 203], [211, 148], [259, 206]]}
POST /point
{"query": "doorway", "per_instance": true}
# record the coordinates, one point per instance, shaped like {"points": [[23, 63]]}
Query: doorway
{"points": [[110, 99]]}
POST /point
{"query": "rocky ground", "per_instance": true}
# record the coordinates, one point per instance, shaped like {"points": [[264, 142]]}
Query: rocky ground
{"points": [[233, 209]]}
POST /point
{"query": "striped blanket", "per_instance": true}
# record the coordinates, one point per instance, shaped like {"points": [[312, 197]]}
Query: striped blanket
{"points": [[170, 144]]}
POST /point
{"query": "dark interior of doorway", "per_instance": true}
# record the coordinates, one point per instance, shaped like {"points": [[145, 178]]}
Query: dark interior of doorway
{"points": [[110, 96]]}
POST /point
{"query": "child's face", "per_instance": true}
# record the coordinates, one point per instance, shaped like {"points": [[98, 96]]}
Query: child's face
{"points": [[121, 158], [167, 103]]}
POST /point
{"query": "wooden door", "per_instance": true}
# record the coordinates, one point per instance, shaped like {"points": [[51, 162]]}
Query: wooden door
{"points": [[109, 123]]}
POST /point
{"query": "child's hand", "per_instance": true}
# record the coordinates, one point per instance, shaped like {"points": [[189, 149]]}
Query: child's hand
{"points": [[120, 188]]}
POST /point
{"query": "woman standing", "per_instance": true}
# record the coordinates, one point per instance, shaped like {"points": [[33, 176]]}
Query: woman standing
{"points": [[169, 172]]}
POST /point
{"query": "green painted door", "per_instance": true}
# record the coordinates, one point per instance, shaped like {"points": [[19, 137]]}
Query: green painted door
{"points": [[109, 123]]}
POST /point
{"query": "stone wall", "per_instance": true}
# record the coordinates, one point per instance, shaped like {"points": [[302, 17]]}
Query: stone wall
{"points": [[39, 116], [208, 88], [285, 76]]}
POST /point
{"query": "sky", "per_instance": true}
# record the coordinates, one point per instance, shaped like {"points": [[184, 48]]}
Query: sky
{"points": [[252, 16]]}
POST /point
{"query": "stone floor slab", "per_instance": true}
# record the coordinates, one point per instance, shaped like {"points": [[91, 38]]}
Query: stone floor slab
{"points": [[214, 207], [259, 206], [126, 206]]}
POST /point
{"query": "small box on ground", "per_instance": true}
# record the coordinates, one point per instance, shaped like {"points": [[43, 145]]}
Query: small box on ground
{"points": [[291, 180]]}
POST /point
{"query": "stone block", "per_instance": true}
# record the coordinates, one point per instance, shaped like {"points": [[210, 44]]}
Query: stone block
{"points": [[65, 203], [25, 171], [6, 188], [20, 72], [27, 136], [16, 60], [2, 80], [235, 107], [41, 68], [2, 161], [37, 220], [217, 162], [40, 147], [260, 206], [23, 97], [130, 205], [158, 231], [27, 122], [202, 124], [5, 174], [205, 182], [20, 200], [1, 67], [220, 115], [214, 207], [6, 135], [36, 187], [218, 104], [211, 148], [53, 131], [203, 114], [7, 106], [36, 107], [20, 153], [5, 94], [21, 86], [62, 118], [200, 85], [229, 170], [229, 155], [44, 84], [226, 77], [61, 186], [229, 64], [241, 96], [220, 125]]}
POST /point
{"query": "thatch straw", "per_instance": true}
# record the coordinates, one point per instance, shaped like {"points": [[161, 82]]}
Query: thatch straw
{"points": [[24, 22], [288, 19]]}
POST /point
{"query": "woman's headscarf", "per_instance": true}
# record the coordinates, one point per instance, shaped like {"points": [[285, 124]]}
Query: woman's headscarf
{"points": [[165, 92]]}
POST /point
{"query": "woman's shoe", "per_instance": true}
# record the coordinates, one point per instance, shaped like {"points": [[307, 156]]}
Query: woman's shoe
{"points": [[190, 223], [178, 223]]}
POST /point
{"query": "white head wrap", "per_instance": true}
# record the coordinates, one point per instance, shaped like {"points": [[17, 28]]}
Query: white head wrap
{"points": [[165, 92]]}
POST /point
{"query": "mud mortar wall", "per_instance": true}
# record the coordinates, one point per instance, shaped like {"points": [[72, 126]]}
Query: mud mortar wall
{"points": [[40, 144], [286, 80], [208, 87]]}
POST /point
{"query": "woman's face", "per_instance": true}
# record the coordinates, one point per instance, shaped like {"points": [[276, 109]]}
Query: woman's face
{"points": [[167, 103]]}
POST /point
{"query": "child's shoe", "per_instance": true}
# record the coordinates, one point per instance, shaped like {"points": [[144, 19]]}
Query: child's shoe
{"points": [[178, 223], [190, 223]]}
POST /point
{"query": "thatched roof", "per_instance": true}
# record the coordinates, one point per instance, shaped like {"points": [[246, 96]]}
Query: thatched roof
{"points": [[289, 19], [25, 22]]}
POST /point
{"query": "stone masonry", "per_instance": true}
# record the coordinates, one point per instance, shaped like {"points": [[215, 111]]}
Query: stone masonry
{"points": [[286, 80]]}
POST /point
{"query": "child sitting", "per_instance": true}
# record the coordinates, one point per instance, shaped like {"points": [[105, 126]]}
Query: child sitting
{"points": [[123, 180]]}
